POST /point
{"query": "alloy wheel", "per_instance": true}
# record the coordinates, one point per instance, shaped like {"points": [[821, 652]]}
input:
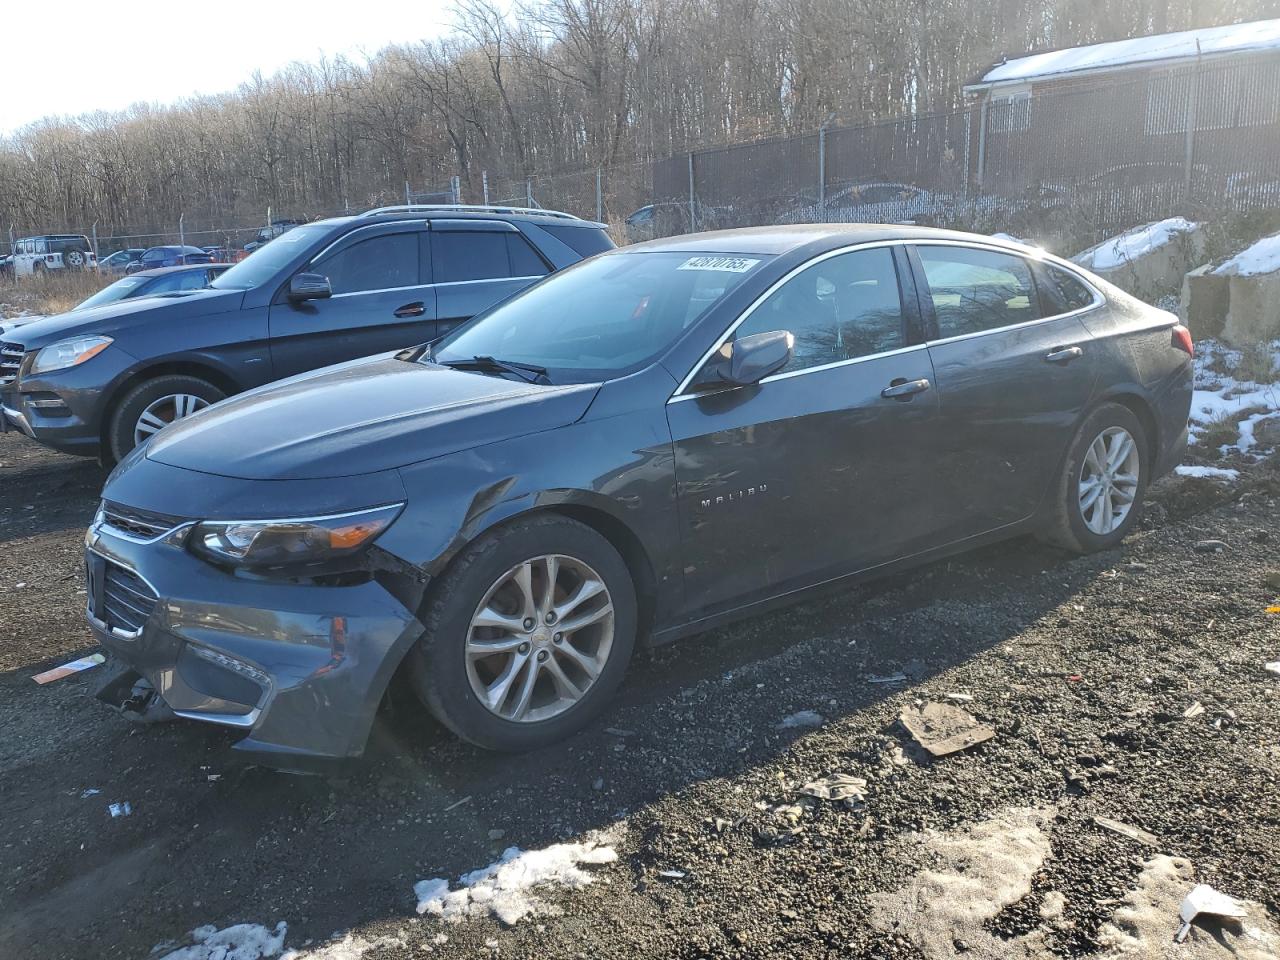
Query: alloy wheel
{"points": [[1109, 480], [540, 638], [163, 411]]}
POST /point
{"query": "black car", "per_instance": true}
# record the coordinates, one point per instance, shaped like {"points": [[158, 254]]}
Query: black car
{"points": [[646, 445], [163, 281], [99, 381]]}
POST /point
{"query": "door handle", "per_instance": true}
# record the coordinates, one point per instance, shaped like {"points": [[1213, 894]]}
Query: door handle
{"points": [[1063, 355], [415, 309], [904, 389]]}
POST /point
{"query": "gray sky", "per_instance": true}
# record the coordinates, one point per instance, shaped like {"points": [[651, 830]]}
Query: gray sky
{"points": [[74, 56]]}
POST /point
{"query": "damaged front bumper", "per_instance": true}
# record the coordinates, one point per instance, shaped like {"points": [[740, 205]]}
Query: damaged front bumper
{"points": [[299, 667]]}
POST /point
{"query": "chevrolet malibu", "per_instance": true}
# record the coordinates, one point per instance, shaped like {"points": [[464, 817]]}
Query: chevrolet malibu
{"points": [[651, 443]]}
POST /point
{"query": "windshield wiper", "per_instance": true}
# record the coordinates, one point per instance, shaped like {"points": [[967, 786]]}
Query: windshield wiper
{"points": [[527, 372]]}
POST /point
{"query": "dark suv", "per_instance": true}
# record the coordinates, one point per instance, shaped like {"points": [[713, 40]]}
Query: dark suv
{"points": [[100, 381]]}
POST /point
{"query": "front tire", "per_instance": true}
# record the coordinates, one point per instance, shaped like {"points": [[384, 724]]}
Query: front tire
{"points": [[1099, 495], [528, 635], [153, 405]]}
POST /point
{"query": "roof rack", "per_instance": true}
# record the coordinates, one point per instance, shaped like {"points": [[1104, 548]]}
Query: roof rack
{"points": [[468, 208]]}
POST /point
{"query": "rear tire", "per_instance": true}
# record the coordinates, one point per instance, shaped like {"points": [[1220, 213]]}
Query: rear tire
{"points": [[152, 398], [1098, 497], [451, 670]]}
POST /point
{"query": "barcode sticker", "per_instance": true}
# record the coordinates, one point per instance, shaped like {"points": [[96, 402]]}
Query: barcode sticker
{"points": [[722, 264]]}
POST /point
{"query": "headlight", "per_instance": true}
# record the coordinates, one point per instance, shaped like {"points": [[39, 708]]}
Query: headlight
{"points": [[272, 543], [68, 353]]}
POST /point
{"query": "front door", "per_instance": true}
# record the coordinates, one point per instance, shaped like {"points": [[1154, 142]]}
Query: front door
{"points": [[820, 469], [1014, 377], [380, 302]]}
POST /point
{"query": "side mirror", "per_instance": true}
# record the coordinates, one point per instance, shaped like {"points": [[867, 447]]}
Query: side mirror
{"points": [[309, 286], [740, 363]]}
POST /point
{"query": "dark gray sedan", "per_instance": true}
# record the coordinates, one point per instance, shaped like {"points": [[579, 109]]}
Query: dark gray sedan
{"points": [[643, 446]]}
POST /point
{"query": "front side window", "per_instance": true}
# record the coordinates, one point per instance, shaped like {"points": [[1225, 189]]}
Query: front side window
{"points": [[839, 309], [975, 290], [379, 263], [603, 318]]}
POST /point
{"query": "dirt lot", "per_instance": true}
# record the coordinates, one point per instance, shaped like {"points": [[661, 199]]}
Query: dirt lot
{"points": [[1083, 667]]}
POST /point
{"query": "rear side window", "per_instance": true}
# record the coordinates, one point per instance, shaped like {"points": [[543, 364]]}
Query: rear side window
{"points": [[525, 261], [469, 255], [584, 241], [379, 263], [975, 290], [1065, 291]]}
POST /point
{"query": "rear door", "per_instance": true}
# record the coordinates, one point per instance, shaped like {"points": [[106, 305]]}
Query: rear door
{"points": [[823, 468], [477, 263], [380, 301], [1014, 376]]}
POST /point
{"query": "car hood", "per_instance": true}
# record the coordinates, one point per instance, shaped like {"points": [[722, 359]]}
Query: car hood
{"points": [[112, 317], [362, 417]]}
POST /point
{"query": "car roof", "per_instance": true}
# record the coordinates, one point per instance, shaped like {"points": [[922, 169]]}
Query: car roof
{"points": [[444, 212], [783, 239], [161, 271]]}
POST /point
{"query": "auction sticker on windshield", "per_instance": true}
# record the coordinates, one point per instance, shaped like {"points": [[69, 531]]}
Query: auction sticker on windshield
{"points": [[723, 264]]}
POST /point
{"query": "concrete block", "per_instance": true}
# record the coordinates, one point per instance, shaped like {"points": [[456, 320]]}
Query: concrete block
{"points": [[1253, 315], [1203, 306], [1148, 261]]}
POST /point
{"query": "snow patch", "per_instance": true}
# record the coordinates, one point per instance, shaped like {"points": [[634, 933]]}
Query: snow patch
{"points": [[348, 947], [1262, 257], [244, 941], [1137, 243], [512, 887], [1211, 473], [1187, 44]]}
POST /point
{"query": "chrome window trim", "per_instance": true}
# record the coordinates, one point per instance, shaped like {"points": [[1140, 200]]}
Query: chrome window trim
{"points": [[366, 293], [458, 283], [1041, 256]]}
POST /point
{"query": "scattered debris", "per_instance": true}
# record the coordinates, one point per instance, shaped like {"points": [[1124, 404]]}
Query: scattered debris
{"points": [[1125, 830], [942, 728], [838, 786], [1272, 667], [619, 732], [1135, 567], [802, 718], [892, 678], [672, 874], [120, 809], [67, 669], [1204, 900], [1272, 579], [960, 697], [1209, 546], [1195, 710], [507, 887], [466, 799], [90, 792]]}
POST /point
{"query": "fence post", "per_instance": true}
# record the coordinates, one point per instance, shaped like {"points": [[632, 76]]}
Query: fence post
{"points": [[822, 172], [407, 201], [693, 211], [455, 184], [95, 243], [1193, 97], [982, 142], [528, 194], [968, 140], [182, 238], [599, 195], [484, 183]]}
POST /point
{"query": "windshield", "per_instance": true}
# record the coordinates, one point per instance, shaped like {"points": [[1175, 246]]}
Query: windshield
{"points": [[265, 262], [110, 294], [604, 318]]}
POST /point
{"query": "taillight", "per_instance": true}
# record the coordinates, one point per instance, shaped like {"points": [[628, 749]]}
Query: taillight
{"points": [[1182, 340]]}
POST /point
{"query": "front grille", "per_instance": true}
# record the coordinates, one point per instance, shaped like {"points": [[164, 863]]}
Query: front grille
{"points": [[132, 522], [119, 597], [10, 361]]}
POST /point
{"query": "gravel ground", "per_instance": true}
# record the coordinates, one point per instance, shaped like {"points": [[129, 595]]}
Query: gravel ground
{"points": [[1084, 668]]}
